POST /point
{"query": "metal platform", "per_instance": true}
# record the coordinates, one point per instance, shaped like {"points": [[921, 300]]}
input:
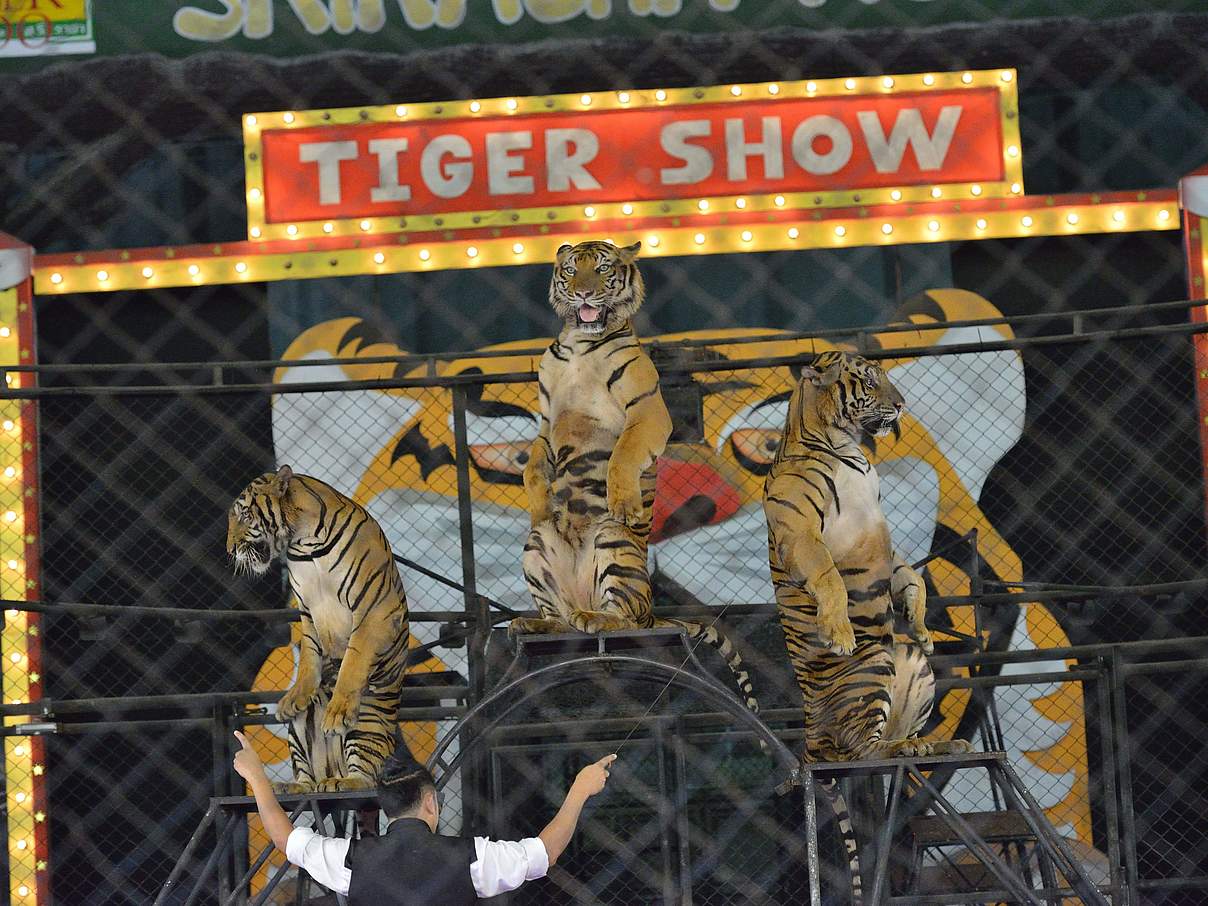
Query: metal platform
{"points": [[911, 777], [229, 814]]}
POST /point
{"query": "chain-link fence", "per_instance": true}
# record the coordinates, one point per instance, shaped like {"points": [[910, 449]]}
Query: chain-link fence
{"points": [[1049, 465], [1023, 444]]}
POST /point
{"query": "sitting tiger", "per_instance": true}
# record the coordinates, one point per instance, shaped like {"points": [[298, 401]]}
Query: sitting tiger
{"points": [[590, 475], [867, 690], [343, 704]]}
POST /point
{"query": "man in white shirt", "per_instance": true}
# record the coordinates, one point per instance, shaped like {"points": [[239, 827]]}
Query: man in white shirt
{"points": [[412, 865]]}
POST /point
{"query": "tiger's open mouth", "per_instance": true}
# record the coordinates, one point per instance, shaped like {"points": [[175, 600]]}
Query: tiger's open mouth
{"points": [[252, 557], [881, 425], [590, 318]]}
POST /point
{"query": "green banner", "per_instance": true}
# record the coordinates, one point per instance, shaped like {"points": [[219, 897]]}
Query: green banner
{"points": [[45, 28], [286, 28]]}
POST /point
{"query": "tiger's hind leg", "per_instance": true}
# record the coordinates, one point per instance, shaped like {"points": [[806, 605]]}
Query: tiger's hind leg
{"points": [[304, 777], [548, 564], [620, 581], [369, 743], [313, 754], [913, 696], [910, 687], [847, 701]]}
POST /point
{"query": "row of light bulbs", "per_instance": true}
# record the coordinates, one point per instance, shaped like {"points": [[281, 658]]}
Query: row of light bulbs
{"points": [[888, 83], [933, 226], [20, 755], [627, 209]]}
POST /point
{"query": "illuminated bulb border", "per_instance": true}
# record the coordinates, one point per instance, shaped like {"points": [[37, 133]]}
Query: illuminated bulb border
{"points": [[683, 207], [986, 218], [19, 666], [255, 124]]}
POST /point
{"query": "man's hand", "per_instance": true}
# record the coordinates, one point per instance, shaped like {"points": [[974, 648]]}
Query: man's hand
{"points": [[592, 778], [247, 763], [589, 782], [251, 769]]}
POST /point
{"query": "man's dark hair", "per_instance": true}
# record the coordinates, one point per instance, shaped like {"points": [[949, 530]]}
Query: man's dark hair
{"points": [[402, 781]]}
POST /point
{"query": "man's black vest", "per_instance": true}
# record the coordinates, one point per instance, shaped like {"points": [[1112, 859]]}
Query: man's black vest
{"points": [[411, 866]]}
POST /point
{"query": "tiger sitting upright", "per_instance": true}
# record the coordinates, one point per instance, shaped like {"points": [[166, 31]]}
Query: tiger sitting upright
{"points": [[343, 704], [867, 690], [590, 476]]}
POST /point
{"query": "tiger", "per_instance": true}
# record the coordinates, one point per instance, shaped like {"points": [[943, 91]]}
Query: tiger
{"points": [[343, 703], [590, 476], [867, 690]]}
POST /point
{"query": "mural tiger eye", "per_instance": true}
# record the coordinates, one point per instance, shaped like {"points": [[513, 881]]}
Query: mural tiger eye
{"points": [[343, 704], [590, 476]]}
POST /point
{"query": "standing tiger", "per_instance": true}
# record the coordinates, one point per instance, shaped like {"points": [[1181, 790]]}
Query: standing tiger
{"points": [[343, 704], [867, 690], [590, 475]]}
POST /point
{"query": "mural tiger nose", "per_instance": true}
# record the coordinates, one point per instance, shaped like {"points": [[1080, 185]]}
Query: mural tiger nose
{"points": [[590, 477], [692, 492]]}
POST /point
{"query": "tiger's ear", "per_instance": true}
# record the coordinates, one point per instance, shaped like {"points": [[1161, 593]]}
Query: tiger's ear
{"points": [[562, 252], [284, 474], [822, 377], [629, 253]]}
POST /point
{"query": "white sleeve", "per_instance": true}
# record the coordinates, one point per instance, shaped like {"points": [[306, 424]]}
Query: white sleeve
{"points": [[320, 857], [503, 865]]}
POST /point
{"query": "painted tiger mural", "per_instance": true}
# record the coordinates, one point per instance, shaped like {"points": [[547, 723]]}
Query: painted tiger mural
{"points": [[590, 476], [342, 706], [708, 539]]}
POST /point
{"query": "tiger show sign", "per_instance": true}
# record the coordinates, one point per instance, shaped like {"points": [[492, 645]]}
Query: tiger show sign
{"points": [[630, 158]]}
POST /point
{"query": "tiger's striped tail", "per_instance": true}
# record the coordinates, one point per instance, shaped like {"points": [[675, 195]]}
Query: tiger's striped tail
{"points": [[709, 634], [843, 819]]}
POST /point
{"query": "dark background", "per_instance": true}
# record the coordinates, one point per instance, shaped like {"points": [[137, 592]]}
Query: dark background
{"points": [[1104, 488]]}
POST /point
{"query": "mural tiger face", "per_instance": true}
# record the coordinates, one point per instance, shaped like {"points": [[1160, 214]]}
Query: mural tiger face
{"points": [[393, 451]]}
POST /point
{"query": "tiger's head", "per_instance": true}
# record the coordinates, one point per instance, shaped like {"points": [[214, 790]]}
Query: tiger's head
{"points": [[260, 522], [596, 285], [849, 393]]}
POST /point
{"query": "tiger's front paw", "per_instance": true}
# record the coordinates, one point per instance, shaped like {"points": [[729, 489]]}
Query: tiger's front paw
{"points": [[342, 784], [922, 635], [293, 787], [341, 712], [296, 700], [539, 506], [951, 747], [625, 505], [837, 634], [913, 601], [534, 626]]}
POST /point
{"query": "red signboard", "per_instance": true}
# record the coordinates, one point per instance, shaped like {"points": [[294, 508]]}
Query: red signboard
{"points": [[686, 152]]}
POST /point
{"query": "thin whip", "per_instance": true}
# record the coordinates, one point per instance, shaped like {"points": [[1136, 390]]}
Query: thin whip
{"points": [[688, 657]]}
